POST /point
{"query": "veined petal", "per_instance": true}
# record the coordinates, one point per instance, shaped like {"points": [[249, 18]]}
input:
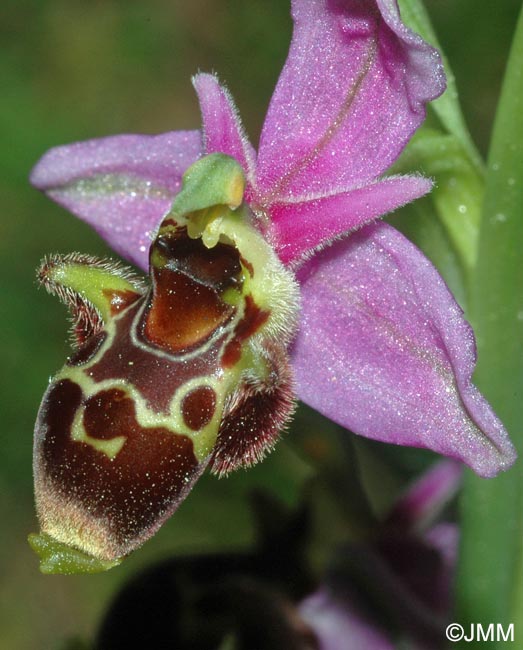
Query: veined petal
{"points": [[222, 128], [351, 94], [301, 227], [120, 185], [384, 350]]}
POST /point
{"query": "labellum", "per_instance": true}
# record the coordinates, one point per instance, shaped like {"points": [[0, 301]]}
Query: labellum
{"points": [[166, 379]]}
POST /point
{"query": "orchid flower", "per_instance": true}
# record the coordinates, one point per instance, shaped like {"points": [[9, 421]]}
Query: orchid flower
{"points": [[382, 347], [405, 574]]}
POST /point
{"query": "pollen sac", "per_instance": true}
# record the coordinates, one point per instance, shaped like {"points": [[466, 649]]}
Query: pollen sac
{"points": [[166, 378]]}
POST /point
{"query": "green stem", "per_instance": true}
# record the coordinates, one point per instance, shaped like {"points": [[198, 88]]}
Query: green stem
{"points": [[490, 580]]}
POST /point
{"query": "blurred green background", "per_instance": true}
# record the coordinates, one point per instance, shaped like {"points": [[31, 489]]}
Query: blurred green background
{"points": [[74, 70]]}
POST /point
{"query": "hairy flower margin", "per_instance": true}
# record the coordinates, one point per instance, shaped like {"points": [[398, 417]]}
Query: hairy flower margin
{"points": [[382, 348]]}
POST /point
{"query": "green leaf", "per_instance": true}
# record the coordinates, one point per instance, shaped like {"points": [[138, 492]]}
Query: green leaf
{"points": [[458, 189], [448, 154], [491, 572], [447, 106]]}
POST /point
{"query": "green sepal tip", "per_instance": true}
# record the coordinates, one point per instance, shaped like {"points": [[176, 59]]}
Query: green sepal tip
{"points": [[58, 558]]}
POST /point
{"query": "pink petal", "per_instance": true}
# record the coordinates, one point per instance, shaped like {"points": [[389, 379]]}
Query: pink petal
{"points": [[340, 624], [351, 94], [222, 128], [121, 185], [304, 226], [384, 350]]}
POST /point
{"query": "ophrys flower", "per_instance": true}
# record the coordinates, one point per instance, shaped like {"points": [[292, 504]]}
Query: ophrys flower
{"points": [[382, 346]]}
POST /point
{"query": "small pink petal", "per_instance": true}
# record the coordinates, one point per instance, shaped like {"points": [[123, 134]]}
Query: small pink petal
{"points": [[222, 128], [427, 496], [304, 226], [384, 350], [351, 94], [120, 185]]}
